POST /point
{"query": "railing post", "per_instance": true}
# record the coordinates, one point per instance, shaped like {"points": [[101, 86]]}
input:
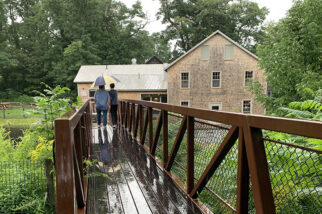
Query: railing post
{"points": [[150, 128], [137, 122], [242, 176], [190, 153], [128, 115], [79, 150], [141, 121], [65, 198], [257, 162], [133, 118], [165, 137]]}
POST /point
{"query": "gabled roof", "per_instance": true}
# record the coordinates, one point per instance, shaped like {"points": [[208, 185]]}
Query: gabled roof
{"points": [[138, 77], [206, 39], [154, 59]]}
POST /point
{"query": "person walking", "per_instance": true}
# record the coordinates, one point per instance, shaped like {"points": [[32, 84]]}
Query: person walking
{"points": [[114, 103], [102, 100]]}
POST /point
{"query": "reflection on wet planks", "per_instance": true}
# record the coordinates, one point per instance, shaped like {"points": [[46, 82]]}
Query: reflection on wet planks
{"points": [[126, 180]]}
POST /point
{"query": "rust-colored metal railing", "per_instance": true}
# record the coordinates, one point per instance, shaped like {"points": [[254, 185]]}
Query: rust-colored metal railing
{"points": [[73, 137], [226, 158]]}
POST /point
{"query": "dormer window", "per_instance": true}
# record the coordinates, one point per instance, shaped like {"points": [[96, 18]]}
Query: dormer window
{"points": [[204, 52]]}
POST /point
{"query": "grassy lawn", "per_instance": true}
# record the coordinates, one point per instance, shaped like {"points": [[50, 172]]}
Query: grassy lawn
{"points": [[19, 121], [18, 114]]}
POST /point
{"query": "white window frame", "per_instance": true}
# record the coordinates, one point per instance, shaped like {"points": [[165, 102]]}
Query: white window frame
{"points": [[181, 80], [215, 104], [208, 52], [232, 57], [245, 85], [188, 101], [250, 110], [212, 73]]}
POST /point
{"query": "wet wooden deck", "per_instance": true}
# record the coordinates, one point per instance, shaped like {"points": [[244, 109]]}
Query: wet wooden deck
{"points": [[126, 179]]}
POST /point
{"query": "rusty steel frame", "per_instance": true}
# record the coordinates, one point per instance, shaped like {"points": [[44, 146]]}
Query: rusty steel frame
{"points": [[252, 162], [73, 137]]}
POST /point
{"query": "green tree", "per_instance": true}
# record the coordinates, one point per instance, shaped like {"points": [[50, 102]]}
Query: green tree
{"points": [[190, 21], [291, 53]]}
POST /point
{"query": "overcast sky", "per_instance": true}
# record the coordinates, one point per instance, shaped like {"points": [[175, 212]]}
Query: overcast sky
{"points": [[277, 8]]}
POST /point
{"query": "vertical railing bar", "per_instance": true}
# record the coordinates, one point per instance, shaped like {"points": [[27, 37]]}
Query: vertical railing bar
{"points": [[78, 182], [258, 167], [137, 122], [141, 122], [242, 176], [126, 114], [157, 134], [165, 137], [133, 118], [150, 128], [190, 154], [128, 124], [79, 150], [177, 143], [145, 128]]}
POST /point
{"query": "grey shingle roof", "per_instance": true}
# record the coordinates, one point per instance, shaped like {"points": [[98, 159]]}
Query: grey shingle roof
{"points": [[143, 77]]}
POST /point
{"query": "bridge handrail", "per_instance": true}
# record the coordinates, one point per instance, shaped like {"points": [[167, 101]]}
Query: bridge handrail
{"points": [[73, 137], [247, 129]]}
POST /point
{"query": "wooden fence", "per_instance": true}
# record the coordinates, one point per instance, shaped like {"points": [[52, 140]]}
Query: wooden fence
{"points": [[73, 139]]}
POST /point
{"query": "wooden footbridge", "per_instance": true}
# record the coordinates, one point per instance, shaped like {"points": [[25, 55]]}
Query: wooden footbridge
{"points": [[169, 159]]}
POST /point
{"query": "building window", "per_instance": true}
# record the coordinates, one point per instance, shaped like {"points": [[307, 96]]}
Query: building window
{"points": [[184, 103], [184, 80], [269, 91], [229, 52], [246, 106], [91, 93], [215, 106], [248, 77], [216, 79], [204, 52]]}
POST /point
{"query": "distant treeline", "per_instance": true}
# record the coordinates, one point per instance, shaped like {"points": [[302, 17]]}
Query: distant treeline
{"points": [[48, 40]]}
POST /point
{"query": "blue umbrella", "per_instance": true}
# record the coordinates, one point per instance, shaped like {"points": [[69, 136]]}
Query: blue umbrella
{"points": [[99, 81]]}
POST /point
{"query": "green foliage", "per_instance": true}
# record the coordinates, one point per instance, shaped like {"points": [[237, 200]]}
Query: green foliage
{"points": [[291, 53], [189, 22], [6, 147], [22, 188], [308, 109], [51, 105], [48, 40]]}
